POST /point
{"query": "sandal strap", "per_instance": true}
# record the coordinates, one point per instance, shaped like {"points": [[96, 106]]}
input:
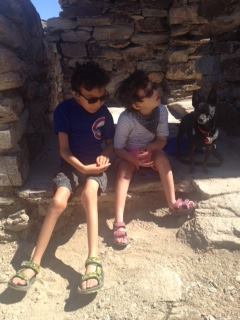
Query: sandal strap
{"points": [[30, 265], [93, 275], [118, 225], [93, 261]]}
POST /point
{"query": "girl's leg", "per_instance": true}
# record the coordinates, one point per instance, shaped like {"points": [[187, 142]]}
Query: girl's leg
{"points": [[89, 198], [55, 209], [124, 176], [162, 165]]}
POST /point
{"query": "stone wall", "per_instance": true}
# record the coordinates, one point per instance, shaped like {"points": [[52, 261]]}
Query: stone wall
{"points": [[23, 90], [182, 44]]}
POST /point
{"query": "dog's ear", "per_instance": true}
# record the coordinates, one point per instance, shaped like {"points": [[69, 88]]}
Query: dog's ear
{"points": [[212, 97], [196, 99]]}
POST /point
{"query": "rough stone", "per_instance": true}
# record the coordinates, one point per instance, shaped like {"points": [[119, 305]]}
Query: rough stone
{"points": [[150, 39], [74, 50], [61, 24], [14, 169], [185, 14], [11, 107], [9, 62], [11, 80], [11, 134], [10, 34], [212, 232], [180, 55], [183, 71], [75, 36], [151, 65], [147, 12], [94, 22], [17, 222], [117, 32]]}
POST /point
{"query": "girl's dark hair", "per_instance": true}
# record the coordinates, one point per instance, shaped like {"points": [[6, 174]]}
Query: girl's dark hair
{"points": [[89, 75], [128, 88]]}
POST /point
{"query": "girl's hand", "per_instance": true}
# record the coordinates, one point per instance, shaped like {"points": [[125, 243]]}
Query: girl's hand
{"points": [[145, 158]]}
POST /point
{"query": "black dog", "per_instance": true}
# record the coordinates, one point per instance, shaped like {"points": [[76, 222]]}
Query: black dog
{"points": [[200, 128]]}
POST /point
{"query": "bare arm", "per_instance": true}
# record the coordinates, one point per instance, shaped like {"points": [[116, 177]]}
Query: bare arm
{"points": [[67, 155], [157, 144]]}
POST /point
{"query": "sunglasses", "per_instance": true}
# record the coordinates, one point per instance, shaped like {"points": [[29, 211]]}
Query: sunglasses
{"points": [[95, 100], [148, 92]]}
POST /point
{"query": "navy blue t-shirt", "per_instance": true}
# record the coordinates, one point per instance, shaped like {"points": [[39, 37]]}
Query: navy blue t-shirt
{"points": [[86, 131]]}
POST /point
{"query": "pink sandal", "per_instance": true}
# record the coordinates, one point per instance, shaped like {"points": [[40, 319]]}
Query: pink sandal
{"points": [[183, 207], [120, 234]]}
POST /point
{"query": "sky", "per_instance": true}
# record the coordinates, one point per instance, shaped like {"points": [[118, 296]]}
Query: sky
{"points": [[47, 8]]}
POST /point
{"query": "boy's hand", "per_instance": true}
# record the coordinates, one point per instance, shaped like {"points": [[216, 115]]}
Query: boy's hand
{"points": [[102, 160], [95, 169]]}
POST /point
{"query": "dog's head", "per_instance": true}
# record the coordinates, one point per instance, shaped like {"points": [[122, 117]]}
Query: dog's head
{"points": [[204, 113]]}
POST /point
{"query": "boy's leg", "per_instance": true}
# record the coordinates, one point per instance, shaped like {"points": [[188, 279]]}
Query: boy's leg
{"points": [[89, 198], [55, 209], [163, 167], [124, 176]]}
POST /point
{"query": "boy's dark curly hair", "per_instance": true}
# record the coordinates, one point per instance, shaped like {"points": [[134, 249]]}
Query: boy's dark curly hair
{"points": [[89, 75], [128, 88]]}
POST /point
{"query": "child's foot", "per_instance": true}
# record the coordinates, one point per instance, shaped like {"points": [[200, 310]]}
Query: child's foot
{"points": [[120, 234], [92, 281], [24, 277], [183, 207]]}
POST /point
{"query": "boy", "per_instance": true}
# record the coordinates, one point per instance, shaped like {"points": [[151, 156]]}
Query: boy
{"points": [[140, 137], [82, 124]]}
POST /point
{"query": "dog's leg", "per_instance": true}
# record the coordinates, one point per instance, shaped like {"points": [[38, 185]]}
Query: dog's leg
{"points": [[192, 158], [217, 155], [206, 157]]}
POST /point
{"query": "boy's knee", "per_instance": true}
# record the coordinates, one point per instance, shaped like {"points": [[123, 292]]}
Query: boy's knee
{"points": [[58, 205], [88, 194]]}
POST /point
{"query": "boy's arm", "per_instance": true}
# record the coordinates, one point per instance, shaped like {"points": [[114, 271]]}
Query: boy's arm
{"points": [[67, 155]]}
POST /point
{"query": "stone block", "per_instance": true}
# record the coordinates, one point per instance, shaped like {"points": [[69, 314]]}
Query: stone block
{"points": [[11, 107], [180, 55], [83, 10], [9, 62], [135, 53], [183, 71], [212, 232], [17, 222], [13, 169], [148, 12], [152, 25], [185, 15], [150, 39], [10, 34], [61, 24], [11, 80], [74, 50], [119, 32], [151, 65], [94, 22], [75, 36], [11, 134]]}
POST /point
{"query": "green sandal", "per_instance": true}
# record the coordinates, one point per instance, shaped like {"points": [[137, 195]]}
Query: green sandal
{"points": [[98, 275], [24, 287]]}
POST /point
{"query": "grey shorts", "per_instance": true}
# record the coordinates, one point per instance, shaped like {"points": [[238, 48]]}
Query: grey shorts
{"points": [[72, 179]]}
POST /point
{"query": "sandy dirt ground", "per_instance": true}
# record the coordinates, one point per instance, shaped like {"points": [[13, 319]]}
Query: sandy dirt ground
{"points": [[155, 277]]}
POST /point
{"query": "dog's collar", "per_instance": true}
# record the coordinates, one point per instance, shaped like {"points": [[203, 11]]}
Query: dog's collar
{"points": [[206, 133]]}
